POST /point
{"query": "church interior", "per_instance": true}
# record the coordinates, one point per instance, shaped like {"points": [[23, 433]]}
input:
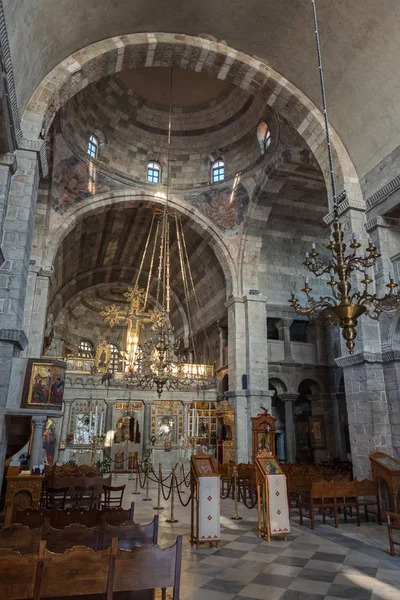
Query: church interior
{"points": [[199, 300]]}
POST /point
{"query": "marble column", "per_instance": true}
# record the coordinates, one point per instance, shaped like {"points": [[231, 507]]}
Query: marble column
{"points": [[65, 423], [109, 416], [290, 437], [146, 429], [37, 441], [283, 326], [185, 419]]}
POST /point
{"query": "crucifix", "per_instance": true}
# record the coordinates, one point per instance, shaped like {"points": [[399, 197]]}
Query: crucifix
{"points": [[134, 318]]}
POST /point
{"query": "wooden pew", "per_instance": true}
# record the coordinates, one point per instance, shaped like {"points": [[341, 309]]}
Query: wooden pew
{"points": [[146, 568], [79, 571], [329, 495], [59, 540], [61, 518], [18, 575], [130, 535], [20, 538], [393, 523], [368, 495]]}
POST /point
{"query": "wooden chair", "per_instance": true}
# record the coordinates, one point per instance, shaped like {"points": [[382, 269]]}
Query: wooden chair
{"points": [[78, 572], [20, 538], [368, 495], [146, 568], [130, 535], [18, 575], [113, 495], [85, 496], [55, 498], [393, 523], [59, 540]]}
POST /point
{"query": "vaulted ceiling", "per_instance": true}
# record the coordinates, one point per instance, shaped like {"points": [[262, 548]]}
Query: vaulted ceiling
{"points": [[359, 43], [107, 248]]}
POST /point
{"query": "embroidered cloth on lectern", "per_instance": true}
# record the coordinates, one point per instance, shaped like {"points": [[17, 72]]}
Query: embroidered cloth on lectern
{"points": [[278, 504], [209, 508]]}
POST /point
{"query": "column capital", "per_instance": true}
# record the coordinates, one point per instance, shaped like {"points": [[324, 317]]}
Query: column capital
{"points": [[39, 421], [282, 323], [9, 161], [288, 397]]}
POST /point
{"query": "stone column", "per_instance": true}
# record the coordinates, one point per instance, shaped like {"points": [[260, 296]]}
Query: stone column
{"points": [[290, 437], [65, 422], [146, 428], [109, 415], [283, 326], [248, 367], [337, 430], [17, 208], [185, 419], [36, 309], [37, 441]]}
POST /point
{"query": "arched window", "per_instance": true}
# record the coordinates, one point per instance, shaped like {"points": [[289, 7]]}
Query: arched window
{"points": [[114, 358], [93, 146], [86, 349], [217, 171], [153, 172]]}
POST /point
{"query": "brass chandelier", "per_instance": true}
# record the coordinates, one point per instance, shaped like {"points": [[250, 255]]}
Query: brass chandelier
{"points": [[157, 361], [343, 307]]}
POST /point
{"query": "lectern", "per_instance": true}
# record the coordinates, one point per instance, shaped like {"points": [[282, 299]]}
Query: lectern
{"points": [[205, 507], [272, 499]]}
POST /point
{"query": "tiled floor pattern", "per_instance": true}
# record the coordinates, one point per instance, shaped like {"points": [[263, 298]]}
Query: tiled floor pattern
{"points": [[348, 563]]}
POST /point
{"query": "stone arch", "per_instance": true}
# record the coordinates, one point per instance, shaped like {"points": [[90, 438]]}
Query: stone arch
{"points": [[279, 384], [112, 55], [312, 383], [63, 224]]}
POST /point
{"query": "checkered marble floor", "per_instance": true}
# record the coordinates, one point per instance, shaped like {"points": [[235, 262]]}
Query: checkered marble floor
{"points": [[348, 563]]}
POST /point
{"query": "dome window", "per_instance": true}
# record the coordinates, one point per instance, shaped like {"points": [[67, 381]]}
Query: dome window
{"points": [[217, 171], [114, 358], [93, 146], [153, 172]]}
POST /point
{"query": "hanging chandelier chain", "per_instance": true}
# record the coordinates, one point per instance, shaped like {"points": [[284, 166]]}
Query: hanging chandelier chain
{"points": [[193, 288], [151, 265], [325, 110]]}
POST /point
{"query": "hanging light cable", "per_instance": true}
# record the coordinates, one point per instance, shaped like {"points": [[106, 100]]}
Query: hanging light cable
{"points": [[344, 307]]}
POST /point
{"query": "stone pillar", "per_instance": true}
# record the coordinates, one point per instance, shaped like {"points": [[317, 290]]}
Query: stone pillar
{"points": [[36, 309], [290, 437], [17, 208], [65, 422], [185, 419], [283, 326], [364, 381], [248, 367], [37, 441], [109, 415], [337, 429], [223, 342], [146, 428]]}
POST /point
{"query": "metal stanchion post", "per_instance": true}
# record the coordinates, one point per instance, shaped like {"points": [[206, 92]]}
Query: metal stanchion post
{"points": [[235, 494], [182, 475], [159, 507], [173, 481], [147, 499], [137, 478]]}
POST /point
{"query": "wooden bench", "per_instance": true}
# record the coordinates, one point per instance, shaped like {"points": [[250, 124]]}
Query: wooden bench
{"points": [[33, 518], [21, 538], [329, 495], [80, 571], [130, 535]]}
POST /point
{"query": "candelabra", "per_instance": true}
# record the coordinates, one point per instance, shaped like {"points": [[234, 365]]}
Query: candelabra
{"points": [[345, 307]]}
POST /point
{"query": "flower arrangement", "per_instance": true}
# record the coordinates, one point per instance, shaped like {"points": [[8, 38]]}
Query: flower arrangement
{"points": [[153, 439], [70, 438]]}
